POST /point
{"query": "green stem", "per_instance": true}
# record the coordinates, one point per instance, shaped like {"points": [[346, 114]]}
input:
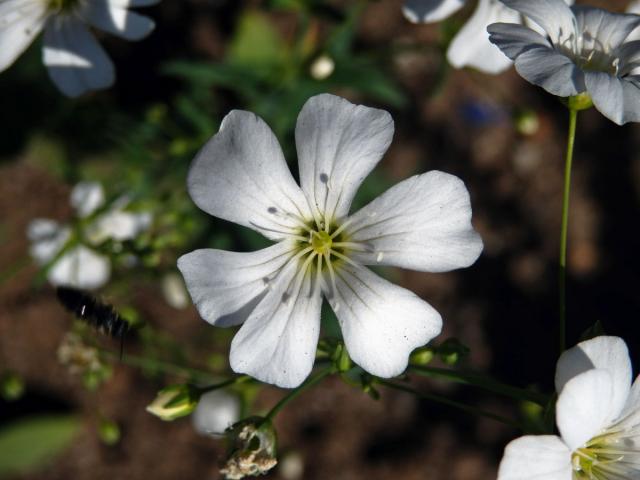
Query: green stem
{"points": [[226, 383], [297, 391], [452, 403], [480, 381], [562, 281], [160, 365]]}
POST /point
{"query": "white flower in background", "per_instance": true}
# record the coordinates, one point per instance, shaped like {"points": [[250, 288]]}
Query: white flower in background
{"points": [[634, 7], [216, 411], [585, 50], [598, 417], [471, 46], [76, 264], [174, 291], [423, 223], [75, 60]]}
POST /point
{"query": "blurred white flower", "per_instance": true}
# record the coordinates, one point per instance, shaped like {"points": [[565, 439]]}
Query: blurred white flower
{"points": [[598, 417], [75, 60], [585, 50], [423, 223], [634, 7], [471, 46], [78, 265], [216, 411], [174, 291], [322, 67]]}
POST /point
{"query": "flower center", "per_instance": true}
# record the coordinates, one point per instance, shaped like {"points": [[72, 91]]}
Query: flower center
{"points": [[590, 54], [612, 455], [321, 242]]}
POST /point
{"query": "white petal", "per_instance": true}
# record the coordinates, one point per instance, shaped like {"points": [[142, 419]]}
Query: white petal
{"points": [[426, 11], [338, 144], [607, 29], [585, 407], [20, 22], [554, 16], [554, 72], [80, 268], [108, 16], [216, 411], [542, 457], [634, 7], [75, 60], [381, 323], [226, 286], [117, 225], [514, 39], [240, 175], [471, 46], [47, 238], [86, 198], [606, 353], [422, 223], [608, 95], [630, 416], [277, 343]]}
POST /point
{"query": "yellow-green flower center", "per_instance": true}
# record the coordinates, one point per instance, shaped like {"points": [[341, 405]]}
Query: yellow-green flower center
{"points": [[321, 242], [604, 457]]}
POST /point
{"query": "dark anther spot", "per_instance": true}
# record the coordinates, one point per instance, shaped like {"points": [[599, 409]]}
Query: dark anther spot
{"points": [[324, 178]]}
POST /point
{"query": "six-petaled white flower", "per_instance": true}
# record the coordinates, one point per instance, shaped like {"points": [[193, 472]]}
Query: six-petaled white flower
{"points": [[471, 46], [72, 262], [585, 50], [75, 60], [598, 416], [423, 223]]}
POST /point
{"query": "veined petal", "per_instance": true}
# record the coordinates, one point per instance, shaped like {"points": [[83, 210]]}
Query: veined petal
{"points": [[614, 97], [605, 353], [422, 223], [515, 39], [338, 144], [610, 29], [536, 457], [426, 11], [585, 407], [86, 198], [227, 286], [554, 16], [381, 323], [277, 343], [75, 60], [20, 22], [471, 46], [548, 69], [240, 175], [107, 15], [81, 267]]}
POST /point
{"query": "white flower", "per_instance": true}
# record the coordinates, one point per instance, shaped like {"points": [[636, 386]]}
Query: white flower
{"points": [[75, 60], [78, 265], [634, 7], [216, 411], [423, 223], [586, 50], [598, 417], [471, 46]]}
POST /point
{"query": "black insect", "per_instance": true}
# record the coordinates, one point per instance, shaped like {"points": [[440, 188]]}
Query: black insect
{"points": [[101, 316]]}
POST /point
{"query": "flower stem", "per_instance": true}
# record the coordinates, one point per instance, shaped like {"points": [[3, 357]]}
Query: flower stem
{"points": [[224, 384], [451, 403], [562, 280], [480, 381], [297, 391]]}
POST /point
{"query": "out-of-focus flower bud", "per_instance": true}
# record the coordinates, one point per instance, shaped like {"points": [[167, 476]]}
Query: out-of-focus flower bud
{"points": [[452, 350], [422, 356], [527, 122], [252, 449], [174, 402], [11, 387], [216, 411], [174, 291], [109, 432], [322, 67]]}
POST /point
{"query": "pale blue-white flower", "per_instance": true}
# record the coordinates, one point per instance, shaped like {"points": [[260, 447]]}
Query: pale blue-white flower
{"points": [[423, 223], [598, 418], [75, 60], [216, 411], [471, 46], [73, 261], [584, 50]]}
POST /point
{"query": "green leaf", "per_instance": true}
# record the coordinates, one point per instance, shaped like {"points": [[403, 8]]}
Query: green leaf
{"points": [[29, 444]]}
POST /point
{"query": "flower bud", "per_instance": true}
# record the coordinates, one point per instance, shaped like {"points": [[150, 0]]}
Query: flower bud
{"points": [[174, 402], [11, 387], [252, 449], [322, 67], [421, 356]]}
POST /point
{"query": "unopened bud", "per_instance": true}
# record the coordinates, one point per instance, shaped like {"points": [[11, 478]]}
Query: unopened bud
{"points": [[109, 432], [322, 67], [527, 122], [252, 449], [421, 356], [452, 350], [11, 387], [174, 402]]}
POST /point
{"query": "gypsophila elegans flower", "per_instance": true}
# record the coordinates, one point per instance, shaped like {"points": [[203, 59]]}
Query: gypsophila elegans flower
{"points": [[584, 50], [75, 60], [423, 223], [598, 417], [72, 261], [471, 46]]}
